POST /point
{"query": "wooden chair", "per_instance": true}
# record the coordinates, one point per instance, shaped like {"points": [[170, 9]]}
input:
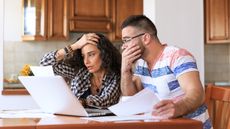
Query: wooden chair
{"points": [[218, 102]]}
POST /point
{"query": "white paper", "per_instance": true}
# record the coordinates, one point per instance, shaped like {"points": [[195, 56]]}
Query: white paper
{"points": [[142, 102], [121, 118], [124, 98], [32, 113], [42, 70]]}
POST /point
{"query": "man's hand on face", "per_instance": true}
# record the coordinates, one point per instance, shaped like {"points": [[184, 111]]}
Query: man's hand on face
{"points": [[131, 52]]}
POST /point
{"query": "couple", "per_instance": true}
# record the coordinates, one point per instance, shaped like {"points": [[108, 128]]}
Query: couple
{"points": [[99, 74]]}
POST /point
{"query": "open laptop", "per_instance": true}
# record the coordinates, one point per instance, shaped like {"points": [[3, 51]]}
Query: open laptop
{"points": [[53, 95]]}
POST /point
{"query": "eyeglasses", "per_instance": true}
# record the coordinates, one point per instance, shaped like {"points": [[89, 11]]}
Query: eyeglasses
{"points": [[128, 39]]}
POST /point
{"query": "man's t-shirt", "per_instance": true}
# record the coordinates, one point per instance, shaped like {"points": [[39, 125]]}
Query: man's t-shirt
{"points": [[162, 78]]}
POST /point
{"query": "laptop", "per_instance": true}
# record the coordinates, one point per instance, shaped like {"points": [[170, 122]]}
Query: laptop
{"points": [[53, 95]]}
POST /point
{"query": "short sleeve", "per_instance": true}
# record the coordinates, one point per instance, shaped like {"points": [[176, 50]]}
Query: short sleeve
{"points": [[182, 61]]}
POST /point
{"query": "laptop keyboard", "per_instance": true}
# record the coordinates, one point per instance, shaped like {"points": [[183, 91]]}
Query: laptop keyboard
{"points": [[94, 110]]}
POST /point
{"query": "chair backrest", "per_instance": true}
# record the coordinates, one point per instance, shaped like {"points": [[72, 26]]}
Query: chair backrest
{"points": [[218, 102]]}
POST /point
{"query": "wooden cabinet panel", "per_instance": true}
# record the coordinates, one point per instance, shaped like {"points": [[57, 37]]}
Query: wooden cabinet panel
{"points": [[102, 15], [123, 9], [217, 21], [57, 20], [90, 15]]}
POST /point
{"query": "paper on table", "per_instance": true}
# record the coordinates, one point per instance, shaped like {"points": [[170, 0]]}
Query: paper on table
{"points": [[27, 113], [141, 102], [42, 70], [121, 118]]}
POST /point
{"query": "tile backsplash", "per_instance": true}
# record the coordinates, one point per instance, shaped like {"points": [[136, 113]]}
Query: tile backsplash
{"points": [[17, 53], [217, 63]]}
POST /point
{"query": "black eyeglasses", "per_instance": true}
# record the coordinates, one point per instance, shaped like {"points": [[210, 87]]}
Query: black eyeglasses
{"points": [[128, 39]]}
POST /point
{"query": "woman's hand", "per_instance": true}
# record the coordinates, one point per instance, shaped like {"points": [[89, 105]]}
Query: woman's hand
{"points": [[90, 38]]}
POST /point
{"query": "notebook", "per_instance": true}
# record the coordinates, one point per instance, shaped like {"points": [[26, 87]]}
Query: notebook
{"points": [[53, 95]]}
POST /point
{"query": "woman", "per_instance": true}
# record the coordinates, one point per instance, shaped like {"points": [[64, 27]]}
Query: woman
{"points": [[92, 64]]}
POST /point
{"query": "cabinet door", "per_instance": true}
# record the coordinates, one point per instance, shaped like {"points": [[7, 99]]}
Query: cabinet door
{"points": [[217, 21], [102, 15], [45, 20], [90, 15], [57, 18], [123, 9], [34, 15]]}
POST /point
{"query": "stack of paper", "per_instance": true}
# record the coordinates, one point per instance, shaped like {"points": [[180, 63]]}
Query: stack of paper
{"points": [[141, 102], [137, 107], [27, 113], [122, 118]]}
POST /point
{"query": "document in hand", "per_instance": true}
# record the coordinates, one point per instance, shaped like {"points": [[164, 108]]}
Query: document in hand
{"points": [[142, 102]]}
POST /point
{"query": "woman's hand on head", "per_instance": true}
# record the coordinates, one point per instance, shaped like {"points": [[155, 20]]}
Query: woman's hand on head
{"points": [[90, 38]]}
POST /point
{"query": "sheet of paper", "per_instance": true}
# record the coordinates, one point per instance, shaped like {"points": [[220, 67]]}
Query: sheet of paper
{"points": [[42, 70], [30, 113], [141, 102], [121, 118]]}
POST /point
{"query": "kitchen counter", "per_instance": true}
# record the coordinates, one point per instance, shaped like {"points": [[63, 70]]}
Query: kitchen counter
{"points": [[222, 83]]}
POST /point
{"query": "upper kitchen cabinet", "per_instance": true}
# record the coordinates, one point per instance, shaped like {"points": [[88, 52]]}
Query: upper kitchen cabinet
{"points": [[217, 20], [57, 20], [102, 15], [90, 15], [45, 20], [124, 8]]}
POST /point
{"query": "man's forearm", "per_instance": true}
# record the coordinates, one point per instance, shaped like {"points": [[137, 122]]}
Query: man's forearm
{"points": [[127, 85], [188, 104], [193, 93]]}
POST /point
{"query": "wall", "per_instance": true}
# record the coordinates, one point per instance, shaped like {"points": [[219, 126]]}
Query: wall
{"points": [[18, 53], [1, 43], [179, 22], [14, 101]]}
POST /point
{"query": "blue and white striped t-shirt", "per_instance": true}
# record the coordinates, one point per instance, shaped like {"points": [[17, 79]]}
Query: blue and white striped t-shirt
{"points": [[162, 78]]}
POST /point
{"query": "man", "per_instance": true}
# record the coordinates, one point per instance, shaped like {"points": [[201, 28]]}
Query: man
{"points": [[169, 71]]}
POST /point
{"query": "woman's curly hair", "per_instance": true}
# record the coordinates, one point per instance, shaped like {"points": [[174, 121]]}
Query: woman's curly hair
{"points": [[110, 55]]}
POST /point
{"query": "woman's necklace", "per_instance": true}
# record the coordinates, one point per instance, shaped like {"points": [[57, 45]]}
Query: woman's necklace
{"points": [[96, 85]]}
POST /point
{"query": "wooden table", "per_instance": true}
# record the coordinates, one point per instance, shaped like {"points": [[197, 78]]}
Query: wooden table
{"points": [[66, 122]]}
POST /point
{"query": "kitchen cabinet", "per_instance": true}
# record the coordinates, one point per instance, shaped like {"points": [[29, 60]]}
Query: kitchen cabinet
{"points": [[45, 20], [124, 8], [102, 15], [90, 15], [57, 20], [217, 21]]}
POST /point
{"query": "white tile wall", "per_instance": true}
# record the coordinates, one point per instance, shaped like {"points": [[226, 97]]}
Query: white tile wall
{"points": [[16, 54], [217, 63]]}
